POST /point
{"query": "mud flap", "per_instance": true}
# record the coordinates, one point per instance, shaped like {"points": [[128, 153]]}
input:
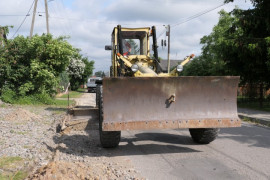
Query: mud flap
{"points": [[170, 102]]}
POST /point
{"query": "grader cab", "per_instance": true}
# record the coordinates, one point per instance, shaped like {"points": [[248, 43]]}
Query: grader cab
{"points": [[141, 95]]}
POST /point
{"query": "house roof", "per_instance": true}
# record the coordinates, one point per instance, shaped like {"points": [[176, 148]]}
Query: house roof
{"points": [[173, 63]]}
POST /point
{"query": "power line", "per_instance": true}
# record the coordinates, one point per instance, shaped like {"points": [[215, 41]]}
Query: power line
{"points": [[161, 33], [23, 19], [198, 15], [14, 15], [191, 18]]}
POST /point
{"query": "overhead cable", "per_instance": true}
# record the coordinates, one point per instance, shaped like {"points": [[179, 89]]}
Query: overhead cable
{"points": [[23, 19]]}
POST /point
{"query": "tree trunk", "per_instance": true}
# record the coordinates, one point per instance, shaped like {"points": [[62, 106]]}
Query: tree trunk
{"points": [[261, 95]]}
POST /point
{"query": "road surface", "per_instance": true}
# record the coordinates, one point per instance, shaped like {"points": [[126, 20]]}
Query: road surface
{"points": [[238, 153]]}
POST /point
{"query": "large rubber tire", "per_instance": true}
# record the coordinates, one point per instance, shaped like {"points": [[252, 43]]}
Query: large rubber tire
{"points": [[97, 95], [108, 139], [111, 71], [204, 135]]}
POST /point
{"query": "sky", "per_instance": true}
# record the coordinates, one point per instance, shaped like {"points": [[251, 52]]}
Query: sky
{"points": [[89, 23]]}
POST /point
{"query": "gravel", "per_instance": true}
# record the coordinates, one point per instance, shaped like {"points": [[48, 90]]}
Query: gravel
{"points": [[30, 133], [27, 132]]}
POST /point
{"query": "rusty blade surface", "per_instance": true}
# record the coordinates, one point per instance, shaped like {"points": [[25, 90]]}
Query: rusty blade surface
{"points": [[166, 102]]}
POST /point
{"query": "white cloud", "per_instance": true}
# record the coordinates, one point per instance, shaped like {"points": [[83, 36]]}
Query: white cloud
{"points": [[89, 23]]}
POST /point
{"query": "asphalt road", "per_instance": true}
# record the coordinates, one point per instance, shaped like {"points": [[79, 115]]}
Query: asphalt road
{"points": [[238, 153]]}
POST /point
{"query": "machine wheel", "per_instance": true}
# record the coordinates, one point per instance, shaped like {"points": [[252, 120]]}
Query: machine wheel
{"points": [[111, 71], [204, 135], [97, 95], [108, 139]]}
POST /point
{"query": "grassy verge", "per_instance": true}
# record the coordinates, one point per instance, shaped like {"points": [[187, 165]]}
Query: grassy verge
{"points": [[254, 105], [37, 99], [63, 103], [255, 121], [73, 94]]}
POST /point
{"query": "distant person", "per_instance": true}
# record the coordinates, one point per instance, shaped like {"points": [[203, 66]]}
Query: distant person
{"points": [[126, 48]]}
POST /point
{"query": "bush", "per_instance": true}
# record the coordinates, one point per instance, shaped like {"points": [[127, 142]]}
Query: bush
{"points": [[32, 66], [8, 96]]}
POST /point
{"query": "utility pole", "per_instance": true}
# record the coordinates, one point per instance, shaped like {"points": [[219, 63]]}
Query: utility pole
{"points": [[33, 19], [168, 33], [47, 16]]}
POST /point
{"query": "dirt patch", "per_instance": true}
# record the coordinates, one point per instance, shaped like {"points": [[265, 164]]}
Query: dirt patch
{"points": [[79, 170], [79, 156], [21, 114]]}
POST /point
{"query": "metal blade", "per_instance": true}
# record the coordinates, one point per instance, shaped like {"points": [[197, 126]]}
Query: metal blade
{"points": [[170, 102]]}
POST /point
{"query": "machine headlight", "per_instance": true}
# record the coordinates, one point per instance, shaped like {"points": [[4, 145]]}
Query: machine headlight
{"points": [[179, 68], [134, 68]]}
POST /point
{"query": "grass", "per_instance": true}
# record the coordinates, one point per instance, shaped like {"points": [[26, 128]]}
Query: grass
{"points": [[72, 94], [63, 103], [82, 90], [254, 105], [11, 163], [7, 161], [255, 121], [19, 175]]}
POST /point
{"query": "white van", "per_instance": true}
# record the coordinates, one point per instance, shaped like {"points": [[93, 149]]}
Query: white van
{"points": [[91, 83]]}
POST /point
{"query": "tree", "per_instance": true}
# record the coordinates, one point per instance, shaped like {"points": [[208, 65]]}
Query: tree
{"points": [[100, 74], [247, 45], [211, 61], [79, 70], [238, 45], [75, 71], [88, 70]]}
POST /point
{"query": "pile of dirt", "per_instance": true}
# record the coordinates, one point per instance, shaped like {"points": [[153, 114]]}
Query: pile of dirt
{"points": [[21, 115], [77, 170]]}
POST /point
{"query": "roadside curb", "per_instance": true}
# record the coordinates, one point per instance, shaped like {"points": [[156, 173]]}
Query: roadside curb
{"points": [[255, 120]]}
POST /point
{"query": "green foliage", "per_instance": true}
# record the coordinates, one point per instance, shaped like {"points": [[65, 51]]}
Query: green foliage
{"points": [[211, 62], [31, 69], [30, 66], [246, 47], [88, 70], [202, 66], [237, 45], [100, 74], [8, 96], [79, 70]]}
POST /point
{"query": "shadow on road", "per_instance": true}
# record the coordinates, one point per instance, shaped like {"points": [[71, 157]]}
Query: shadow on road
{"points": [[56, 109], [248, 134], [141, 144]]}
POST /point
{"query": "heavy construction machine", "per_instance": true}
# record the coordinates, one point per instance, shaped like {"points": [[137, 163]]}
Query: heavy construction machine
{"points": [[141, 95]]}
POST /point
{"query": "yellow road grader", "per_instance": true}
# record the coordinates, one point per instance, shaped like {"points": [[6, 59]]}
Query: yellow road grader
{"points": [[140, 95]]}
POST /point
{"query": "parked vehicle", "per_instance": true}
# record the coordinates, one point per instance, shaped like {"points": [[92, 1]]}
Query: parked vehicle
{"points": [[91, 84]]}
